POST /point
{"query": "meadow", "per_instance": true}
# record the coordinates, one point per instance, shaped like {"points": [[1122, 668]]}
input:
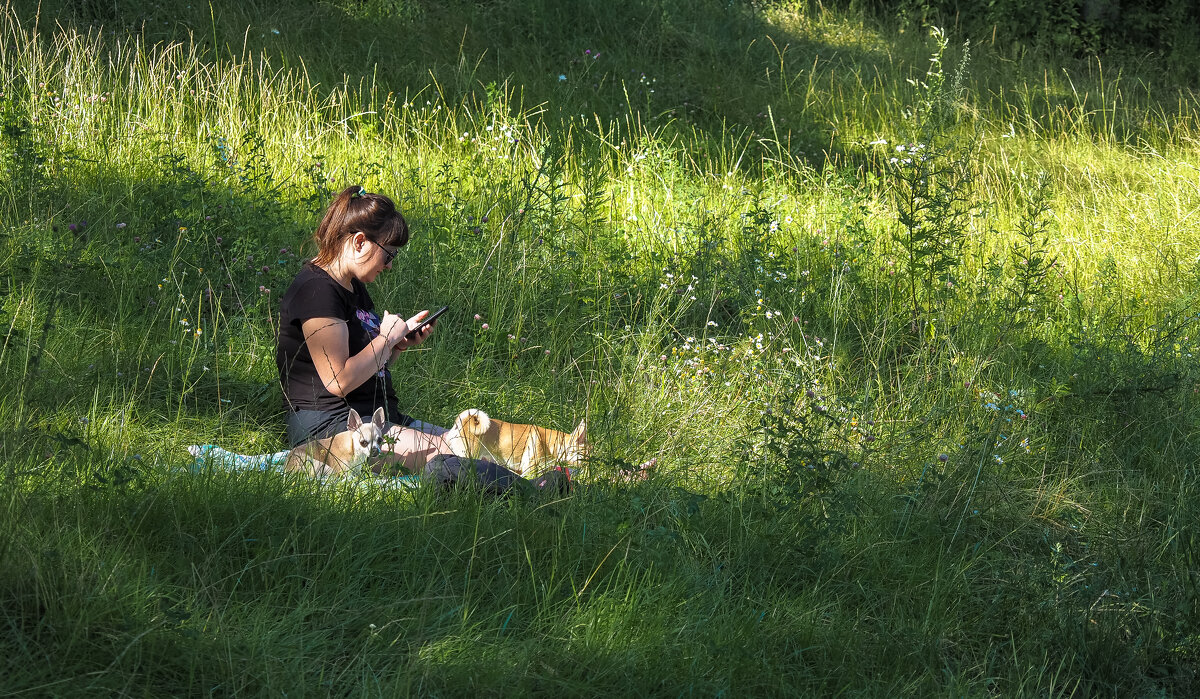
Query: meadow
{"points": [[910, 324]]}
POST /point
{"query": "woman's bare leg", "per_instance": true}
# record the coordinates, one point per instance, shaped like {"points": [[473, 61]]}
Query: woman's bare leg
{"points": [[411, 448]]}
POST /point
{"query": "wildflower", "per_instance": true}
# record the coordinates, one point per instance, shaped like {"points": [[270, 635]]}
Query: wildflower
{"points": [[478, 317], [547, 353], [121, 225], [484, 326], [943, 457], [562, 78]]}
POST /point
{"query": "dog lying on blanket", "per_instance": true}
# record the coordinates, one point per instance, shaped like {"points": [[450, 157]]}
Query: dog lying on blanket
{"points": [[526, 449], [344, 452]]}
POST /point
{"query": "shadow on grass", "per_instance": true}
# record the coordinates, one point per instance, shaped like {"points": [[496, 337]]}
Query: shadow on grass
{"points": [[247, 580], [253, 583]]}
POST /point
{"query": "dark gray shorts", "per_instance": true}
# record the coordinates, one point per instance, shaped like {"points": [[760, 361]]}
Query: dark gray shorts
{"points": [[305, 425]]}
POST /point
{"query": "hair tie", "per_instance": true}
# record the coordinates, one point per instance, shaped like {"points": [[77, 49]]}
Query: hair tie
{"points": [[362, 192]]}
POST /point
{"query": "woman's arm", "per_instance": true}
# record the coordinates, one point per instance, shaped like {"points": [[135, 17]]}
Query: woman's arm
{"points": [[328, 342]]}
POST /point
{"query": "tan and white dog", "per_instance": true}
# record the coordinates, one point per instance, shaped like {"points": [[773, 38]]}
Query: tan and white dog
{"points": [[526, 449], [342, 453]]}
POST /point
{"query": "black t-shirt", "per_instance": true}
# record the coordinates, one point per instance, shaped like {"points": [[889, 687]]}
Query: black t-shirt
{"points": [[314, 294]]}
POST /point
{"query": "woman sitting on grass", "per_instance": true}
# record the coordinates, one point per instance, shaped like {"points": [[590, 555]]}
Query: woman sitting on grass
{"points": [[333, 349]]}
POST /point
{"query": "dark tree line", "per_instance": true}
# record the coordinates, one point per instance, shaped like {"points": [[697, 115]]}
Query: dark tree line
{"points": [[1168, 28]]}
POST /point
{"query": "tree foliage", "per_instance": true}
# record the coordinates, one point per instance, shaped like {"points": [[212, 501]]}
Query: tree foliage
{"points": [[1169, 28]]}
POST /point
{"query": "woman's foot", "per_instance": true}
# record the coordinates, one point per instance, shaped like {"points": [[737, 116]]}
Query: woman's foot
{"points": [[640, 473]]}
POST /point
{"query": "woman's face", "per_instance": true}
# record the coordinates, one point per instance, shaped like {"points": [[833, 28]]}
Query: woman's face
{"points": [[368, 257]]}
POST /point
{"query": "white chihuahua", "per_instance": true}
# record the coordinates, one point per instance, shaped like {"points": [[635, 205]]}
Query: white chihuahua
{"points": [[344, 452]]}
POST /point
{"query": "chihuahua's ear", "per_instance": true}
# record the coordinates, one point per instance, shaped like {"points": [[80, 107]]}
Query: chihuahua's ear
{"points": [[377, 418], [354, 421], [579, 436]]}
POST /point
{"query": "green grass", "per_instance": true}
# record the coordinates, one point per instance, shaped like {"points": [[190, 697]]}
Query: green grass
{"points": [[871, 481]]}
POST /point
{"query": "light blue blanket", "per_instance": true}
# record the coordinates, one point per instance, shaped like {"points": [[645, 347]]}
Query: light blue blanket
{"points": [[207, 456]]}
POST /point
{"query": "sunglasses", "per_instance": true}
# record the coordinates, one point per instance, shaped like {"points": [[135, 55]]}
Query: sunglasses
{"points": [[388, 256]]}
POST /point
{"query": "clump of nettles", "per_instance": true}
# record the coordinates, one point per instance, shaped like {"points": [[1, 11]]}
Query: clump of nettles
{"points": [[24, 157], [803, 451], [931, 180], [1030, 257]]}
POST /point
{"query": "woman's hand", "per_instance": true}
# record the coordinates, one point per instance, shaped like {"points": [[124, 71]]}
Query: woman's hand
{"points": [[417, 339], [393, 328]]}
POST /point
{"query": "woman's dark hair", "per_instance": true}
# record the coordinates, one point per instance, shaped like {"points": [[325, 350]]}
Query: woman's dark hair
{"points": [[356, 210]]}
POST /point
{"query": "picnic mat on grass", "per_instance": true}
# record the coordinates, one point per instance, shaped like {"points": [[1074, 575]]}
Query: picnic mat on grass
{"points": [[206, 456]]}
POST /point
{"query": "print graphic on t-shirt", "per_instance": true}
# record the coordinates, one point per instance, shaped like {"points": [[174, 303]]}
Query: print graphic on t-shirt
{"points": [[370, 323]]}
